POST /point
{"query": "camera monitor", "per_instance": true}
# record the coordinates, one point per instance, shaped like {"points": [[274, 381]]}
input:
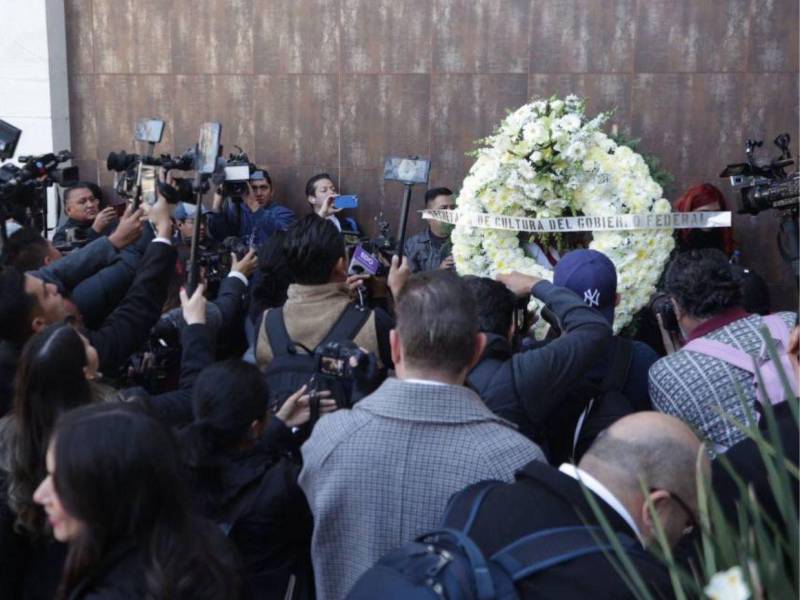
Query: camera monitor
{"points": [[149, 130], [237, 173], [208, 148], [408, 169], [9, 138]]}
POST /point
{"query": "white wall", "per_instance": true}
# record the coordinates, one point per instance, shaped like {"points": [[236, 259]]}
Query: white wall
{"points": [[33, 76]]}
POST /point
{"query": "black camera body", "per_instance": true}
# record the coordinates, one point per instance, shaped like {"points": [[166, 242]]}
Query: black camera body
{"points": [[764, 186], [237, 176], [334, 371], [661, 304], [126, 167]]}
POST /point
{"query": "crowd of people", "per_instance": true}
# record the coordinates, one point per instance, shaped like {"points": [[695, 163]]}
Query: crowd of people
{"points": [[279, 431]]}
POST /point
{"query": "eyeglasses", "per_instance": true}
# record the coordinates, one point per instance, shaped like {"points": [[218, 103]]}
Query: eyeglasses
{"points": [[692, 523]]}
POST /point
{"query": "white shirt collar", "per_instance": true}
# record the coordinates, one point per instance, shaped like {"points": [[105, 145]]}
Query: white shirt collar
{"points": [[424, 381], [604, 493]]}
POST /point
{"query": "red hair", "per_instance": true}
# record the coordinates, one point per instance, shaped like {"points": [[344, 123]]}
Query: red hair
{"points": [[703, 195]]}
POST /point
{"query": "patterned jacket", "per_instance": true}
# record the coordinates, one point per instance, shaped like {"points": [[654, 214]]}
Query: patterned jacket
{"points": [[695, 387], [380, 474]]}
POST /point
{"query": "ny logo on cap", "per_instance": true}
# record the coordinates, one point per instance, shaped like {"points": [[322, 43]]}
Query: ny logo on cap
{"points": [[591, 297]]}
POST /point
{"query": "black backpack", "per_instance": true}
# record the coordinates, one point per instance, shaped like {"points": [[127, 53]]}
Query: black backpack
{"points": [[590, 408], [447, 565], [293, 365]]}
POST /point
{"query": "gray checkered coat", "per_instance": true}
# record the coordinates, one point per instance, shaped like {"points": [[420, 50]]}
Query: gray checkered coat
{"points": [[380, 474], [694, 387]]}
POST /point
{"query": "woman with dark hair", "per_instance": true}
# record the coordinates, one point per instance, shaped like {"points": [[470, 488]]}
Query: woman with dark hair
{"points": [[702, 198], [113, 493], [58, 370], [243, 479]]}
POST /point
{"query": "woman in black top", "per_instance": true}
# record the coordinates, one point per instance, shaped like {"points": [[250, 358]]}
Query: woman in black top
{"points": [[243, 467], [113, 493]]}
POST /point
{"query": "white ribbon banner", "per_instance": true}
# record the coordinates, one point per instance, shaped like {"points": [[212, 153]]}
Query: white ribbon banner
{"points": [[689, 220]]}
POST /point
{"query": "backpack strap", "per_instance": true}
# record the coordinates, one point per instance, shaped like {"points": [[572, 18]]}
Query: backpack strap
{"points": [[481, 575], [347, 325], [724, 352], [777, 329], [279, 340], [462, 510], [615, 379], [550, 547], [617, 374]]}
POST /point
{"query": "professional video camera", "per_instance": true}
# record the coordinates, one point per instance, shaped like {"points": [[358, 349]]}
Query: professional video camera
{"points": [[765, 185], [127, 178], [22, 187], [236, 175]]}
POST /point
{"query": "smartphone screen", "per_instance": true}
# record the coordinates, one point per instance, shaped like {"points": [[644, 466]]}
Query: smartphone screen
{"points": [[346, 202], [149, 193], [208, 147]]}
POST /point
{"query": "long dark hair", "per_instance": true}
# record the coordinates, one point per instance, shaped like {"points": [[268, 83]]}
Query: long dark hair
{"points": [[117, 471], [50, 380], [228, 396]]}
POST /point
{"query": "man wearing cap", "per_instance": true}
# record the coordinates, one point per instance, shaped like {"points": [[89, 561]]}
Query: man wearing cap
{"points": [[524, 386], [616, 383], [185, 216], [255, 218]]}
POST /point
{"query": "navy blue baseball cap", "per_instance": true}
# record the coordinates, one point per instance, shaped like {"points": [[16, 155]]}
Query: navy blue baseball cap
{"points": [[592, 276]]}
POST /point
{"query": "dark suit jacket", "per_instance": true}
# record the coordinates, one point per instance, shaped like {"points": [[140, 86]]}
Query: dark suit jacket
{"points": [[125, 329], [544, 498]]}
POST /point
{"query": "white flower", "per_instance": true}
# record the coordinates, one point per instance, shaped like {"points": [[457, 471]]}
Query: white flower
{"points": [[727, 585], [569, 122]]}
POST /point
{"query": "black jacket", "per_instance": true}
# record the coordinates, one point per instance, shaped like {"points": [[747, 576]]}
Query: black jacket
{"points": [[174, 408], [543, 498], [256, 494], [521, 387], [121, 574], [125, 329], [29, 569]]}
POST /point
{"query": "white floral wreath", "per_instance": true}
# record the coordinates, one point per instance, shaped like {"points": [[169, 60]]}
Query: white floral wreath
{"points": [[547, 160]]}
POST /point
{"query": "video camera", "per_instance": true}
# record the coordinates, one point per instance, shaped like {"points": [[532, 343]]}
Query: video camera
{"points": [[127, 179], [334, 372], [217, 262], [765, 185], [236, 175], [22, 187]]}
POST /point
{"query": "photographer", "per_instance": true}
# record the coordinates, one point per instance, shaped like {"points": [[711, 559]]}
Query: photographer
{"points": [[85, 219], [522, 386], [242, 478], [254, 217], [700, 388]]}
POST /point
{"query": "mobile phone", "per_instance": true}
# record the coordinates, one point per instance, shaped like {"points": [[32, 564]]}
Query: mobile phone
{"points": [[208, 148], [346, 202], [149, 194]]}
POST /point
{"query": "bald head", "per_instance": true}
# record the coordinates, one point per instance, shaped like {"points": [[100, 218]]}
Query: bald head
{"points": [[650, 447]]}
